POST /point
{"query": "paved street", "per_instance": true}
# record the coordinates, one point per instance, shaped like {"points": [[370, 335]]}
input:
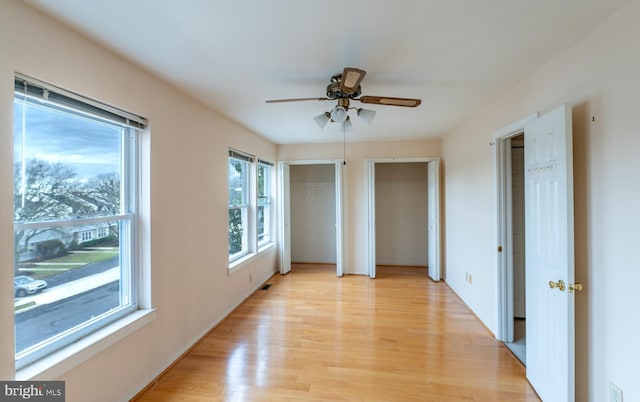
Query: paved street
{"points": [[71, 297], [46, 320]]}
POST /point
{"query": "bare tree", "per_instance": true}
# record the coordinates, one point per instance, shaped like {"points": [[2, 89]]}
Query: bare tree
{"points": [[41, 193], [103, 191]]}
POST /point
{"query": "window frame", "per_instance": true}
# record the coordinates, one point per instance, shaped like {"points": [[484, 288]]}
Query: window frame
{"points": [[57, 99]]}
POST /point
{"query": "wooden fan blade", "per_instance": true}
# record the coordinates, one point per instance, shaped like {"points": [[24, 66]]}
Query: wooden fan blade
{"points": [[351, 78], [295, 100], [386, 100]]}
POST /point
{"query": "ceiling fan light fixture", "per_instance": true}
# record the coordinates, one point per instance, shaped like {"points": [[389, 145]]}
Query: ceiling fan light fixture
{"points": [[367, 115], [322, 119], [339, 114], [344, 88]]}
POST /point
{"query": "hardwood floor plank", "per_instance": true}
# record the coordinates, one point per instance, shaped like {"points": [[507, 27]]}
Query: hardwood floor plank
{"points": [[315, 337]]}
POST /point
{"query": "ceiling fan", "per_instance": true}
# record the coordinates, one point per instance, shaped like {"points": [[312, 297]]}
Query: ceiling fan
{"points": [[344, 88]]}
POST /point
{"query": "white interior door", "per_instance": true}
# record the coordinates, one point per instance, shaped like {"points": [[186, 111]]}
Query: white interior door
{"points": [[433, 212], [550, 255], [284, 229]]}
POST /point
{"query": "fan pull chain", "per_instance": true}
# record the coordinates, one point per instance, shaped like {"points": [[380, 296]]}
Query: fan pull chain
{"points": [[344, 144]]}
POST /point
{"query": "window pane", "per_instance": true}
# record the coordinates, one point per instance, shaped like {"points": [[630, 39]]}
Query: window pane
{"points": [[235, 231], [238, 180], [238, 208], [264, 201], [72, 245], [261, 184], [261, 222]]}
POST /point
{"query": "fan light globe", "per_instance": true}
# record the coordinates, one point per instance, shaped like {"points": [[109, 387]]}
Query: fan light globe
{"points": [[339, 114], [367, 115], [322, 119]]}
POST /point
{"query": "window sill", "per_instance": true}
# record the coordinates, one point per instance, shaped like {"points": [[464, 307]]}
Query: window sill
{"points": [[266, 247], [67, 358], [238, 264]]}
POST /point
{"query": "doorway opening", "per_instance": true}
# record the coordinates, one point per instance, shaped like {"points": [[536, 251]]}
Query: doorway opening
{"points": [[313, 207], [509, 145], [516, 254], [403, 214], [310, 209], [512, 241]]}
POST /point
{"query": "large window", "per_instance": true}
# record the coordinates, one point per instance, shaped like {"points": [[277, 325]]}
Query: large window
{"points": [[250, 194], [75, 211]]}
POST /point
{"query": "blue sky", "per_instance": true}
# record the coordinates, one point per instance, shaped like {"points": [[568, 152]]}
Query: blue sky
{"points": [[89, 146]]}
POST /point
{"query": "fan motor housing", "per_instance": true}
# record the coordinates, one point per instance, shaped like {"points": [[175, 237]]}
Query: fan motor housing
{"points": [[334, 92]]}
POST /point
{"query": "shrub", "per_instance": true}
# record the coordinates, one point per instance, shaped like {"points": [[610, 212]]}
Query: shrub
{"points": [[51, 248], [109, 241]]}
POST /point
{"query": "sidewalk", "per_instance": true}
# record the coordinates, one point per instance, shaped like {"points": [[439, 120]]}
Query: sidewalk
{"points": [[50, 295]]}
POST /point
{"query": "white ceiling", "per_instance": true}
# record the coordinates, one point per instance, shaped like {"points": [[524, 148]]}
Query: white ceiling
{"points": [[234, 54]]}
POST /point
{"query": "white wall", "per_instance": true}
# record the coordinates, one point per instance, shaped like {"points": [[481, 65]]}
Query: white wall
{"points": [[355, 200], [188, 144], [599, 78], [401, 213], [313, 213]]}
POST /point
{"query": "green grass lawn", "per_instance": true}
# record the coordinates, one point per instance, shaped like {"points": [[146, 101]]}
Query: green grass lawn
{"points": [[73, 260]]}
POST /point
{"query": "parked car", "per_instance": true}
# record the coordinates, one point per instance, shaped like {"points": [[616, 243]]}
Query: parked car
{"points": [[25, 285]]}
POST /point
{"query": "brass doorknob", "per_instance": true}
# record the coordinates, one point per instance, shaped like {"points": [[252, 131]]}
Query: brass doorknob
{"points": [[575, 287], [559, 285]]}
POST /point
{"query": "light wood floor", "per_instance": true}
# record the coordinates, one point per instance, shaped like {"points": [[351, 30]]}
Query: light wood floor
{"points": [[315, 337]]}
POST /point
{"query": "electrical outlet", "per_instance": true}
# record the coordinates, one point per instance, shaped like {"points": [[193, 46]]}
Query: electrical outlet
{"points": [[250, 278], [615, 393], [470, 279]]}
